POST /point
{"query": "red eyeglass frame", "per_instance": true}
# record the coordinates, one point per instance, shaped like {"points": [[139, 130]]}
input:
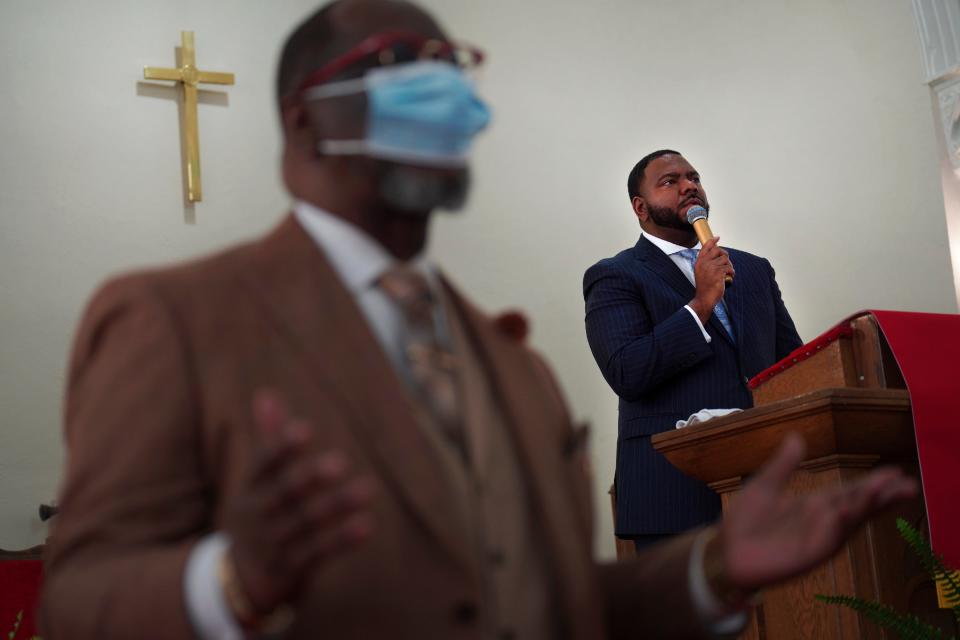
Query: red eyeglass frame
{"points": [[381, 43]]}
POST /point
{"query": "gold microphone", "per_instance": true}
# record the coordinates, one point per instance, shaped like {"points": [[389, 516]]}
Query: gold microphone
{"points": [[697, 216]]}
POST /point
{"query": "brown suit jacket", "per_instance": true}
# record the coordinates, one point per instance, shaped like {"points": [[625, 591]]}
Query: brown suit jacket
{"points": [[158, 431]]}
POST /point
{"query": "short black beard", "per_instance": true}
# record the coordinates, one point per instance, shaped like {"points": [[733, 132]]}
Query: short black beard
{"points": [[669, 218]]}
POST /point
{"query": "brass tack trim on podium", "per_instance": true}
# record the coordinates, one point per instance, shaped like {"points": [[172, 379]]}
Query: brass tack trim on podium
{"points": [[188, 76]]}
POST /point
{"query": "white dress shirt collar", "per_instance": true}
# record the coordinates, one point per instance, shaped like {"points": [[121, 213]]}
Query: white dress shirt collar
{"points": [[666, 246], [356, 257]]}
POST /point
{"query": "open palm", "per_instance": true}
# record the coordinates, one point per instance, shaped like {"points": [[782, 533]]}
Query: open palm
{"points": [[770, 535]]}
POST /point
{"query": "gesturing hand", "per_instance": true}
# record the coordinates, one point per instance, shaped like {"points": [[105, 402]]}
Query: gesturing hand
{"points": [[712, 266], [300, 506], [769, 535]]}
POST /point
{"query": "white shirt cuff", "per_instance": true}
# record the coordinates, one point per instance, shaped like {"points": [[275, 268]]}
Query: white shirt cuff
{"points": [[706, 336], [208, 610], [714, 614]]}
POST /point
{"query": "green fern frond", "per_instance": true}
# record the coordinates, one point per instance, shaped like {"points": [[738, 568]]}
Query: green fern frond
{"points": [[933, 563], [906, 626]]}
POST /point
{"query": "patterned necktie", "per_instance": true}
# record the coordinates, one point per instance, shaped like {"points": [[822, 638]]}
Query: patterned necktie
{"points": [[433, 368], [690, 257]]}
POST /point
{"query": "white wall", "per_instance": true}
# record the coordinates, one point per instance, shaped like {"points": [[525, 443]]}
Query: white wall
{"points": [[809, 122], [90, 183], [950, 179], [938, 28]]}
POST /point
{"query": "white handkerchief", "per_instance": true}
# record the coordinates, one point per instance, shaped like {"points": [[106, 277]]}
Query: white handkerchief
{"points": [[705, 414]]}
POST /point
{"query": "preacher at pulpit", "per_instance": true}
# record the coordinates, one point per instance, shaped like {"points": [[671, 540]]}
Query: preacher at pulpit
{"points": [[671, 339], [316, 435]]}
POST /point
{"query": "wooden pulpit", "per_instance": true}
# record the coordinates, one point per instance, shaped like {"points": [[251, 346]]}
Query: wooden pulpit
{"points": [[844, 394]]}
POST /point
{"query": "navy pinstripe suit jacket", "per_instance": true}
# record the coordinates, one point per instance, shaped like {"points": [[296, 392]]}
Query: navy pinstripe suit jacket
{"points": [[653, 355]]}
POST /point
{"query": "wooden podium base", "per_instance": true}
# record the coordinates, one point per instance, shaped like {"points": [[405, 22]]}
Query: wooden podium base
{"points": [[848, 431]]}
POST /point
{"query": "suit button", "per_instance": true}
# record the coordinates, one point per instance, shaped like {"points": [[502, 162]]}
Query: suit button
{"points": [[465, 612]]}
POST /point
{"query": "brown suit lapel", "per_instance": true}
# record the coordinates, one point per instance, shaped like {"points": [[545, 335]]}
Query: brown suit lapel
{"points": [[532, 419], [309, 305]]}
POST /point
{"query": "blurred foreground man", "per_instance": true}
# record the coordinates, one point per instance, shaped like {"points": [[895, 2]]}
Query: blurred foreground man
{"points": [[315, 435]]}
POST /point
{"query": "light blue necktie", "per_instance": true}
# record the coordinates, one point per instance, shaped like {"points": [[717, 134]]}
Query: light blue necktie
{"points": [[690, 257]]}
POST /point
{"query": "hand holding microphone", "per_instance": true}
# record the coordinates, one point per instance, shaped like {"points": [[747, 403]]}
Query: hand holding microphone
{"points": [[697, 216], [712, 271]]}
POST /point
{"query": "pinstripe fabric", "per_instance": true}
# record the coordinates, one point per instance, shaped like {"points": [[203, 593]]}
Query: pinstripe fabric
{"points": [[652, 354]]}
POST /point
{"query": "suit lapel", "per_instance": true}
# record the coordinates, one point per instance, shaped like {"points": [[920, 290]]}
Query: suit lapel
{"points": [[660, 263], [532, 418], [309, 305]]}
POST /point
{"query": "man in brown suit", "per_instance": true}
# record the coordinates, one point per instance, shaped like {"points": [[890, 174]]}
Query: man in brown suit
{"points": [[316, 433]]}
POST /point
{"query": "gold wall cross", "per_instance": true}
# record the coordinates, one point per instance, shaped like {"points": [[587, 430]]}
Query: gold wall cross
{"points": [[189, 77]]}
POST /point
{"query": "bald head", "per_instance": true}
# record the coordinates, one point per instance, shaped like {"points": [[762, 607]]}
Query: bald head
{"points": [[338, 26]]}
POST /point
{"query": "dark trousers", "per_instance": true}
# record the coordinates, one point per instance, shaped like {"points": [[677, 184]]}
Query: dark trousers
{"points": [[641, 542]]}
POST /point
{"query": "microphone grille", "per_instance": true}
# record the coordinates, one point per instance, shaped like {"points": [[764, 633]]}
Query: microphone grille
{"points": [[696, 212]]}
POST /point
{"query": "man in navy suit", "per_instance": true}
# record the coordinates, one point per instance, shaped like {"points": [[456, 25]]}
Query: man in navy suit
{"points": [[671, 339]]}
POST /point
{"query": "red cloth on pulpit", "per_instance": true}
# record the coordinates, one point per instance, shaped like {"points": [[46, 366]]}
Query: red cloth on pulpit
{"points": [[19, 591], [927, 349]]}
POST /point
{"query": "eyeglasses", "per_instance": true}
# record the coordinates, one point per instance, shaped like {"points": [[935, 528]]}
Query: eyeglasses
{"points": [[395, 47]]}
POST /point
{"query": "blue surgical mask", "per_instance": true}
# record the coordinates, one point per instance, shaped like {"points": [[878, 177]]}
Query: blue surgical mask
{"points": [[423, 113]]}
